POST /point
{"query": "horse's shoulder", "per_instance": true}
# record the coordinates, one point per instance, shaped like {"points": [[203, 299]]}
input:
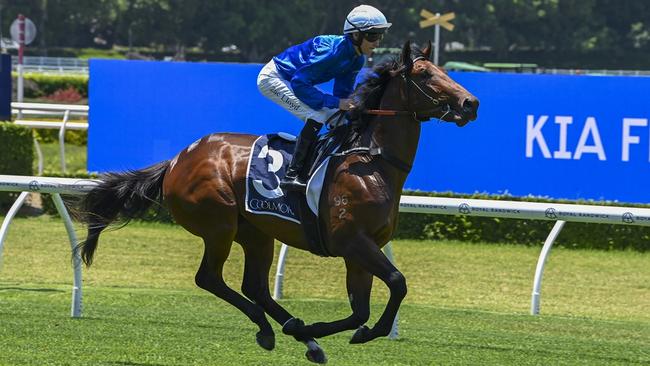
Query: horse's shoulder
{"points": [[230, 138]]}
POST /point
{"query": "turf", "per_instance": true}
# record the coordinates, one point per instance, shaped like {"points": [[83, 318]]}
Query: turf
{"points": [[75, 158], [467, 305]]}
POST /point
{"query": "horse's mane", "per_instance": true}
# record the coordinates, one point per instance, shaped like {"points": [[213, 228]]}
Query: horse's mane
{"points": [[369, 92]]}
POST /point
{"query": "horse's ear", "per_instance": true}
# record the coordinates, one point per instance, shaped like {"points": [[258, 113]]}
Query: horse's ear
{"points": [[427, 51], [406, 56]]}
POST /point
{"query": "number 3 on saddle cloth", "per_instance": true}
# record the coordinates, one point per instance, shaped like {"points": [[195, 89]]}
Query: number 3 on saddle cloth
{"points": [[270, 156]]}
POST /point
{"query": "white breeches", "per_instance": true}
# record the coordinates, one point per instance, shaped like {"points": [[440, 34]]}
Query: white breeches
{"points": [[274, 87]]}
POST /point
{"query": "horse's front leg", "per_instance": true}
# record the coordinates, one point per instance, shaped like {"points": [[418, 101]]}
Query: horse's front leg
{"points": [[369, 256], [363, 259], [359, 284]]}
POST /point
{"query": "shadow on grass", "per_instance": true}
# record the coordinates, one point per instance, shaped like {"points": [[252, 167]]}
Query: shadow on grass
{"points": [[133, 363], [30, 289]]}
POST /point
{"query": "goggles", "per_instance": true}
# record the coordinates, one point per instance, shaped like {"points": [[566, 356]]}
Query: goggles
{"points": [[373, 37]]}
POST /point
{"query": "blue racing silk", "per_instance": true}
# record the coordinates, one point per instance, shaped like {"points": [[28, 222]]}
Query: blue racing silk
{"points": [[319, 60]]}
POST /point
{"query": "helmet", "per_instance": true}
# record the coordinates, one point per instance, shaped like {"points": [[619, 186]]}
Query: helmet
{"points": [[365, 18]]}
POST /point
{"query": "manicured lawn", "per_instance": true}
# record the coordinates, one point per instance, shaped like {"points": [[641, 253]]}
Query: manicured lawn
{"points": [[467, 305]]}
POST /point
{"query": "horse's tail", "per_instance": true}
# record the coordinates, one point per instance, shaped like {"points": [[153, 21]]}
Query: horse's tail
{"points": [[119, 197]]}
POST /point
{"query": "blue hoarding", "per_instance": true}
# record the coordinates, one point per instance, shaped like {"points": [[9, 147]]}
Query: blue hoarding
{"points": [[5, 87], [550, 135]]}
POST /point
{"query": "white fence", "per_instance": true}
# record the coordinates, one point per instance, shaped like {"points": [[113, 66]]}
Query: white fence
{"points": [[64, 111], [52, 64], [56, 187], [560, 213]]}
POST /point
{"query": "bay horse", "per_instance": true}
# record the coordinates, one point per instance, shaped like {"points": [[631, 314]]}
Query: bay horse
{"points": [[203, 188]]}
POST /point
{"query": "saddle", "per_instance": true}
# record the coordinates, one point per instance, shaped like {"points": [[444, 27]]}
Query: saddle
{"points": [[269, 157], [326, 146]]}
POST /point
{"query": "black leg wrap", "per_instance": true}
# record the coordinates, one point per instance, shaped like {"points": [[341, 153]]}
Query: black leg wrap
{"points": [[362, 335], [265, 341], [293, 326]]}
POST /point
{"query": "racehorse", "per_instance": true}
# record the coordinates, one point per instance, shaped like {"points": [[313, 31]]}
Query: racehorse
{"points": [[203, 188]]}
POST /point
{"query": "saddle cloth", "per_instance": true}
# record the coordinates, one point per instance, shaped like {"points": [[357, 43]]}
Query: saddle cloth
{"points": [[267, 163]]}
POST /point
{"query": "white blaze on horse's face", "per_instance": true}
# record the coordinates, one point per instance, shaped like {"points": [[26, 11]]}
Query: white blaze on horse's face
{"points": [[462, 105]]}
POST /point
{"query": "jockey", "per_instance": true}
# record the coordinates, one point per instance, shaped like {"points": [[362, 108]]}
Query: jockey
{"points": [[289, 79]]}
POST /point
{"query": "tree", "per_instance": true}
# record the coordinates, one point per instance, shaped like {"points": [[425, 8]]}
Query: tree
{"points": [[259, 29]]}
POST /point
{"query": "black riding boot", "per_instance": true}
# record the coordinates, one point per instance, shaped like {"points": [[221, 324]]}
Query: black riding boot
{"points": [[308, 135]]}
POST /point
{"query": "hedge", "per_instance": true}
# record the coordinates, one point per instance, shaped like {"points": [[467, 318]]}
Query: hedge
{"points": [[42, 85], [16, 155], [46, 85], [74, 137], [520, 231]]}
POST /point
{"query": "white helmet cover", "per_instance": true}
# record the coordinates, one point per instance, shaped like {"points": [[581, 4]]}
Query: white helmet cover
{"points": [[364, 18]]}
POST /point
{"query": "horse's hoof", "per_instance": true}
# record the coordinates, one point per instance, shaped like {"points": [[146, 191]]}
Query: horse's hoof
{"points": [[316, 355], [265, 341], [361, 335], [292, 326]]}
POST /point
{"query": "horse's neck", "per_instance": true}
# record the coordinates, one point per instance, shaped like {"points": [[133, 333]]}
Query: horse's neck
{"points": [[398, 134], [401, 133]]}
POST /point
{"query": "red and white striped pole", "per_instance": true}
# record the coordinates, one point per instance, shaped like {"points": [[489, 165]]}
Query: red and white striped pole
{"points": [[21, 38], [21, 50]]}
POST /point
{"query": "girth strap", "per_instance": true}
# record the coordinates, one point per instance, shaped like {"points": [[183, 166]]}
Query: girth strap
{"points": [[378, 151]]}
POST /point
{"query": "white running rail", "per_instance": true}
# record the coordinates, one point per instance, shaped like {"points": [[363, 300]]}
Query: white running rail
{"points": [[65, 111], [56, 187], [560, 213]]}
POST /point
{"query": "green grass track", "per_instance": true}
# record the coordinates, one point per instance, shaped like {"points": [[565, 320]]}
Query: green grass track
{"points": [[467, 305]]}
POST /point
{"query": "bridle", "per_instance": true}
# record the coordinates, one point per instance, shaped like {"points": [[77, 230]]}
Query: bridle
{"points": [[419, 116]]}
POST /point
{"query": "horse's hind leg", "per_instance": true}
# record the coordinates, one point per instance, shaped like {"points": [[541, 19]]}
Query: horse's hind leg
{"points": [[210, 277], [258, 251]]}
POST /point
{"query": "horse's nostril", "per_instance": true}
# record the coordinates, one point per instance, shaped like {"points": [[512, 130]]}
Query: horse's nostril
{"points": [[470, 105], [467, 106]]}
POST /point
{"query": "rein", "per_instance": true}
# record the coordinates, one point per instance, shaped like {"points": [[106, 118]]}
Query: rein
{"points": [[416, 115], [421, 116]]}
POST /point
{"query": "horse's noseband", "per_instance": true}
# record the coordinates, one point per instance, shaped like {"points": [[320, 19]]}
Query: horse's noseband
{"points": [[408, 79], [420, 116]]}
